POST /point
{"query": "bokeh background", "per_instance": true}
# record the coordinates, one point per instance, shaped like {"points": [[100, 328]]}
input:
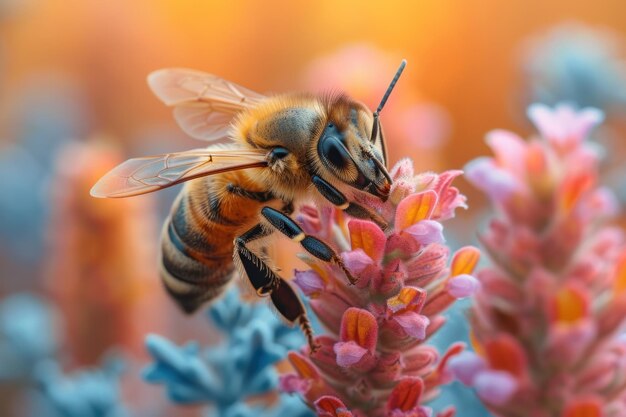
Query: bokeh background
{"points": [[78, 275]]}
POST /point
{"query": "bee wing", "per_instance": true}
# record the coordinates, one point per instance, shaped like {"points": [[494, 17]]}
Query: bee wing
{"points": [[204, 104], [144, 175]]}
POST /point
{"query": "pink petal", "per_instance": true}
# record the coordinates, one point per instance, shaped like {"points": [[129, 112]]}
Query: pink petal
{"points": [[403, 169], [462, 286], [498, 183], [356, 260], [413, 324], [292, 383], [426, 232], [465, 366], [495, 387], [309, 282], [349, 353], [509, 150]]}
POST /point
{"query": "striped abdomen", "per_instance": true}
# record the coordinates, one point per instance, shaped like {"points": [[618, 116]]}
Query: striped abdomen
{"points": [[197, 239]]}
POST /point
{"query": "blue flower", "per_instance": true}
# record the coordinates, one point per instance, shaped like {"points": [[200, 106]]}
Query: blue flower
{"points": [[29, 329], [86, 393], [226, 375]]}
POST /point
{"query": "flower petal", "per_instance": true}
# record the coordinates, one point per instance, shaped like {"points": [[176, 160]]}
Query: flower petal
{"points": [[413, 324], [367, 236], [409, 298], [359, 326], [406, 394], [466, 365], [464, 261], [414, 208], [462, 286], [495, 387], [329, 406], [426, 232], [587, 407], [349, 353]]}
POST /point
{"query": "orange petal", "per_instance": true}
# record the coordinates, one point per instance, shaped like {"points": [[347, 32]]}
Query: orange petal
{"points": [[302, 366], [367, 236], [573, 188], [332, 406], [359, 326], [619, 283], [409, 298], [505, 354], [569, 305], [406, 394], [591, 407], [464, 261], [476, 345], [414, 208]]}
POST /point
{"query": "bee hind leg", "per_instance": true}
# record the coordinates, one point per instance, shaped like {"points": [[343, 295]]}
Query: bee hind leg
{"points": [[266, 282], [287, 226]]}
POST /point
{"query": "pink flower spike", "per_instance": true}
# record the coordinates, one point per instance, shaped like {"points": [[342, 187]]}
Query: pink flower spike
{"points": [[465, 366], [495, 387], [462, 286], [426, 232], [499, 184]]}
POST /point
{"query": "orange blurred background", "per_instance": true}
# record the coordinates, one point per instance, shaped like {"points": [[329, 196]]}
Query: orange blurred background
{"points": [[462, 54]]}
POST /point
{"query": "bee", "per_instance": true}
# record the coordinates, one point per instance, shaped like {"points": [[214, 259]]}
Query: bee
{"points": [[268, 155]]}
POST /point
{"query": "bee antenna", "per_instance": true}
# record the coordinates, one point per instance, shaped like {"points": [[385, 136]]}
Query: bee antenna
{"points": [[385, 97], [390, 88]]}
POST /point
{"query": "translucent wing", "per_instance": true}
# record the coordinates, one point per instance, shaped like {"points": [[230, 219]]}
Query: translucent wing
{"points": [[204, 104], [144, 175]]}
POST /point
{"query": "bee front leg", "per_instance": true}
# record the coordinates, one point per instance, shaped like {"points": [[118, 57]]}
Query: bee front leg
{"points": [[266, 282], [288, 227], [339, 200]]}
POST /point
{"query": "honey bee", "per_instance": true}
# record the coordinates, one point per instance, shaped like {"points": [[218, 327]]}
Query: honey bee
{"points": [[269, 154]]}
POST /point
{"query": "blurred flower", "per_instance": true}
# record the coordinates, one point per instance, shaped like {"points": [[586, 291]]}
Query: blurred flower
{"points": [[546, 319], [87, 393], [374, 360], [365, 72], [576, 63], [101, 265], [29, 333], [227, 375]]}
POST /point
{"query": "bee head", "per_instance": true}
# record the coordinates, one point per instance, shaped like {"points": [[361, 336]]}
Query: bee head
{"points": [[347, 144], [345, 151]]}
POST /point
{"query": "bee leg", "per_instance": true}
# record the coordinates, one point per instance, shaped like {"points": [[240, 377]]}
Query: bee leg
{"points": [[337, 198], [285, 225], [266, 282], [261, 276]]}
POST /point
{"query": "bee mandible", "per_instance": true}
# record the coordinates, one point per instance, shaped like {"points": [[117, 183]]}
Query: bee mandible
{"points": [[268, 155]]}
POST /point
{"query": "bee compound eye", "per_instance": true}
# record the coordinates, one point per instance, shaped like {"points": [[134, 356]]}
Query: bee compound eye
{"points": [[334, 152]]}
